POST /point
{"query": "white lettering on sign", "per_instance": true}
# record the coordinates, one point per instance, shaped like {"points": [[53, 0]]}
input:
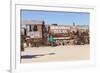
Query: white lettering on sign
{"points": [[35, 34]]}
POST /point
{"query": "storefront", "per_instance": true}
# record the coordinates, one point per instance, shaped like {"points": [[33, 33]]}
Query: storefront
{"points": [[62, 40]]}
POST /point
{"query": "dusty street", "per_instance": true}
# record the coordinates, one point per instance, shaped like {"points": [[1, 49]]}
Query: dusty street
{"points": [[59, 53]]}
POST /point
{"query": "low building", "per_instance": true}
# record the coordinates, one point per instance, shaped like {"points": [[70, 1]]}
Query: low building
{"points": [[65, 34], [34, 31]]}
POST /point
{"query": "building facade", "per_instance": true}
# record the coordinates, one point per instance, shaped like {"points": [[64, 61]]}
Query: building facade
{"points": [[34, 32], [37, 33], [66, 34]]}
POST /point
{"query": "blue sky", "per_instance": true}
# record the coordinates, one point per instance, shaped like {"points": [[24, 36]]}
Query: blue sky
{"points": [[51, 17]]}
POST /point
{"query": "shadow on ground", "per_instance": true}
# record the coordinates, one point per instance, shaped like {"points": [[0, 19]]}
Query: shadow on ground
{"points": [[35, 56]]}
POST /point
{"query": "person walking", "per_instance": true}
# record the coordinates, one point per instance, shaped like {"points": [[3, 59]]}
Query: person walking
{"points": [[51, 40]]}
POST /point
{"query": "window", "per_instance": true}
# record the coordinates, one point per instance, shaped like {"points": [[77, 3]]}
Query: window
{"points": [[30, 28], [35, 28]]}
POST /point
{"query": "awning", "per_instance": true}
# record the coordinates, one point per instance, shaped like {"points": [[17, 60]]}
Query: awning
{"points": [[62, 38]]}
